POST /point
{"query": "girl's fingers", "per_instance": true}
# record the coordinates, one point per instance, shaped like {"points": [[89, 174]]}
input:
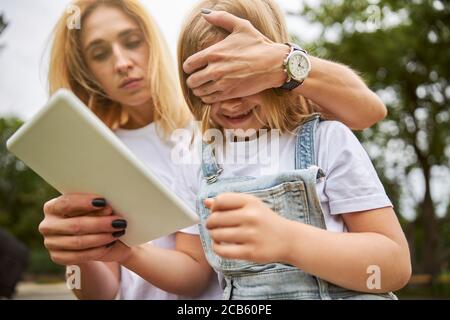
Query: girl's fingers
{"points": [[224, 219], [229, 201], [232, 250], [228, 235]]}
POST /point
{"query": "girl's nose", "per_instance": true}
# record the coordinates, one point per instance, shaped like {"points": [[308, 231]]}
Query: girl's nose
{"points": [[230, 105]]}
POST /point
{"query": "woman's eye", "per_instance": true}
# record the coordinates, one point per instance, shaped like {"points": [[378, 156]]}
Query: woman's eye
{"points": [[100, 56], [133, 44]]}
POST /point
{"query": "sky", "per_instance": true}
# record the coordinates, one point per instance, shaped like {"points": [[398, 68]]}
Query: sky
{"points": [[23, 62]]}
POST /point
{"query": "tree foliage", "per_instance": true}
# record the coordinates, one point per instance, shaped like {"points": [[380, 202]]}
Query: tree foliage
{"points": [[22, 192], [402, 49]]}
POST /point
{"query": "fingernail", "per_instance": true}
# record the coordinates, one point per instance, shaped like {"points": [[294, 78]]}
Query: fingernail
{"points": [[208, 202], [118, 234], [109, 245], [206, 11], [119, 224], [99, 202]]}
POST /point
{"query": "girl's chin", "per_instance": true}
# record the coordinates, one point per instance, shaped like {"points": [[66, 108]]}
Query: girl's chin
{"points": [[255, 127]]}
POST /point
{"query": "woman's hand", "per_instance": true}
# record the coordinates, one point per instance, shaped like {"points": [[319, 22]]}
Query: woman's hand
{"points": [[246, 63], [243, 227], [78, 228], [243, 64]]}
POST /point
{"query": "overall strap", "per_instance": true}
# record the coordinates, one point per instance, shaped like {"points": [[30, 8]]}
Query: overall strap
{"points": [[305, 155], [211, 170]]}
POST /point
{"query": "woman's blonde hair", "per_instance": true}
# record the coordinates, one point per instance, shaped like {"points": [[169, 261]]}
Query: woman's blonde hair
{"points": [[284, 112], [68, 69]]}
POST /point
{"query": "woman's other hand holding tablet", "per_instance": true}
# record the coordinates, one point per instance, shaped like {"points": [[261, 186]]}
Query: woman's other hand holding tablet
{"points": [[78, 228]]}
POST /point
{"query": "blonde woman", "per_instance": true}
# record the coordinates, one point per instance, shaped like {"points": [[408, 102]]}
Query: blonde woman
{"points": [[119, 65]]}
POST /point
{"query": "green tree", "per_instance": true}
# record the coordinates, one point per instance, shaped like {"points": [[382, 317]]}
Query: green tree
{"points": [[22, 192], [22, 195], [402, 49]]}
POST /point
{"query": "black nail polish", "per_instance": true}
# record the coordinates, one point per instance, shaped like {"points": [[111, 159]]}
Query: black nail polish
{"points": [[119, 224], [99, 202], [206, 11], [118, 234], [109, 245]]}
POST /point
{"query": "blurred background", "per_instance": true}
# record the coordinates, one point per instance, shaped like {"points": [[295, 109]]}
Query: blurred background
{"points": [[401, 49]]}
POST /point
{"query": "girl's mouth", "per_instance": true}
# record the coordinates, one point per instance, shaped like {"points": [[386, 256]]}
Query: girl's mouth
{"points": [[241, 117]]}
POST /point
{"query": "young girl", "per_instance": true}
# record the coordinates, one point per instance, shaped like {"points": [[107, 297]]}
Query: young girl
{"points": [[313, 224]]}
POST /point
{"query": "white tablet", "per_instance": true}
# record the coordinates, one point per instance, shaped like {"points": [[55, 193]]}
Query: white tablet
{"points": [[75, 152]]}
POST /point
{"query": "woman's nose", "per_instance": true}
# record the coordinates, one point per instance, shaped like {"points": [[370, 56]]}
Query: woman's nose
{"points": [[122, 63]]}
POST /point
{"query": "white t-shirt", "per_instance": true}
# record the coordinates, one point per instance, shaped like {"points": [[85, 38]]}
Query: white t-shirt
{"points": [[154, 152], [351, 183]]}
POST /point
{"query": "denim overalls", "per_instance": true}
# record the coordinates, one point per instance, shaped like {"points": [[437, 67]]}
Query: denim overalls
{"points": [[292, 195]]}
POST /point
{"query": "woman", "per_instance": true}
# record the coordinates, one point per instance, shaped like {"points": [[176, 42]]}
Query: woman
{"points": [[117, 63]]}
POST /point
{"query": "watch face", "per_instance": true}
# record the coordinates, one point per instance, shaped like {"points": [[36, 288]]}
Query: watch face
{"points": [[299, 65]]}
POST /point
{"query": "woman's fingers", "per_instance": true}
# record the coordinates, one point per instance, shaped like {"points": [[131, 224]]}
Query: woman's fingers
{"points": [[81, 225], [81, 242], [77, 257], [203, 76], [74, 204], [207, 89]]}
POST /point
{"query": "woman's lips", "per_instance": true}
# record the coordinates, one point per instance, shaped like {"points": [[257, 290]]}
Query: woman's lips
{"points": [[131, 84]]}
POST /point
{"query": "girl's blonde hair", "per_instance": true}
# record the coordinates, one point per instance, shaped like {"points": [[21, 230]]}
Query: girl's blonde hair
{"points": [[68, 69], [284, 112]]}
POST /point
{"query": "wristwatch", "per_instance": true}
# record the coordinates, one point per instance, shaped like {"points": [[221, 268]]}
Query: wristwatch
{"points": [[297, 67]]}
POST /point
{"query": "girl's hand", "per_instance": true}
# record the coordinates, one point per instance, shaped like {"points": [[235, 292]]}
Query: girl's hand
{"points": [[78, 228], [243, 227]]}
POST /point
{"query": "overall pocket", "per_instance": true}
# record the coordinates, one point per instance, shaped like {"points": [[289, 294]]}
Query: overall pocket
{"points": [[288, 199]]}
